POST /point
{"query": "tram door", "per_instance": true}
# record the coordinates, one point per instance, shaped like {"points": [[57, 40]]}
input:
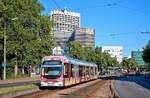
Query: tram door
{"points": [[68, 74], [75, 71]]}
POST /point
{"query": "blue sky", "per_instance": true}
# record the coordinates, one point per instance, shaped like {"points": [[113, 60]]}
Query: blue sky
{"points": [[117, 22]]}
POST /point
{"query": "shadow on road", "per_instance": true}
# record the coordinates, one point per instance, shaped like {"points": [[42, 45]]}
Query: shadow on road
{"points": [[142, 80]]}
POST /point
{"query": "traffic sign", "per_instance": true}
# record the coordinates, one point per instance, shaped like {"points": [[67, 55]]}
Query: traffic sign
{"points": [[3, 65]]}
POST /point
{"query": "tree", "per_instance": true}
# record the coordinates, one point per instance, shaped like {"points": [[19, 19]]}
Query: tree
{"points": [[29, 37], [86, 53], [129, 63], [146, 54], [132, 63], [75, 49]]}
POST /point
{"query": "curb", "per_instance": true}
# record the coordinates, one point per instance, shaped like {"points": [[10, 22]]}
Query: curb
{"points": [[114, 93]]}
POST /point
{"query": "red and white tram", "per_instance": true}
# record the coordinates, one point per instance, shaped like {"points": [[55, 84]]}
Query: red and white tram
{"points": [[60, 71]]}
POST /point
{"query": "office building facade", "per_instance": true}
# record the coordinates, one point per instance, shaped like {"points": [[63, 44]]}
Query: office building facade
{"points": [[85, 36], [66, 27], [64, 20], [137, 55], [64, 24]]}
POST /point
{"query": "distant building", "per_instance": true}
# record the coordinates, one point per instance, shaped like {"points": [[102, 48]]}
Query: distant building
{"points": [[61, 38], [85, 35], [114, 51], [137, 55], [64, 24], [66, 27], [65, 20]]}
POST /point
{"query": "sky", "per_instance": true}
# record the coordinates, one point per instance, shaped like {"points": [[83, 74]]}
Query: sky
{"points": [[116, 22]]}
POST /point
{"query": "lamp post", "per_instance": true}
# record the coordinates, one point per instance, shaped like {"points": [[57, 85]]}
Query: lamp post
{"points": [[5, 37]]}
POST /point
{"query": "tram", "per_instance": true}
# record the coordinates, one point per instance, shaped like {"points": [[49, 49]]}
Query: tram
{"points": [[61, 71]]}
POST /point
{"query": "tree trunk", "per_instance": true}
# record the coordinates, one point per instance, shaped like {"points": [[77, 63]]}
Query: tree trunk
{"points": [[16, 70], [16, 64]]}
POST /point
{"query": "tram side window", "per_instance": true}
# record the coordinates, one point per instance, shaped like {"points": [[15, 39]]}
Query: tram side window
{"points": [[71, 73], [92, 71], [82, 71], [86, 71], [66, 69], [74, 71]]}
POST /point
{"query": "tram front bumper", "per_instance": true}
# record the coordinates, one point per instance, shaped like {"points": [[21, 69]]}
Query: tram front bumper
{"points": [[54, 84]]}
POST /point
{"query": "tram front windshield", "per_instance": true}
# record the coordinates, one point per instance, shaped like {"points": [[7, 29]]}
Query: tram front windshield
{"points": [[52, 71]]}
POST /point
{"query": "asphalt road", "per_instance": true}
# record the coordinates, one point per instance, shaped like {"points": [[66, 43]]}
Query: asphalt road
{"points": [[19, 83], [133, 87]]}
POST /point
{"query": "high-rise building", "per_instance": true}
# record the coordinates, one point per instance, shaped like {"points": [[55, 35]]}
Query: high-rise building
{"points": [[114, 51], [66, 27], [137, 55], [64, 24], [85, 35], [65, 20], [61, 38]]}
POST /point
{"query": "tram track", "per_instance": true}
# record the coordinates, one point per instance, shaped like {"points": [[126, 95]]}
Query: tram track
{"points": [[88, 91], [46, 92], [85, 90]]}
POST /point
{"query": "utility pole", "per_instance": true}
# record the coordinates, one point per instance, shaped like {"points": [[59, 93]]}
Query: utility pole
{"points": [[5, 51], [4, 64], [15, 52]]}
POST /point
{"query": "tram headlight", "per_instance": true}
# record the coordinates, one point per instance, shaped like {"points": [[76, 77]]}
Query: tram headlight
{"points": [[41, 77], [61, 78]]}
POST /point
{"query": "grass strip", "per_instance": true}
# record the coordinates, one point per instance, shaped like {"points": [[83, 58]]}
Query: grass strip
{"points": [[16, 89]]}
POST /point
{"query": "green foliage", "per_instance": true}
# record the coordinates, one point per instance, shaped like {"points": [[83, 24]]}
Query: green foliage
{"points": [[28, 33], [146, 54], [77, 50], [129, 63]]}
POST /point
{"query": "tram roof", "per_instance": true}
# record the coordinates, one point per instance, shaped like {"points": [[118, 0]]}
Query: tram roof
{"points": [[80, 62], [73, 61]]}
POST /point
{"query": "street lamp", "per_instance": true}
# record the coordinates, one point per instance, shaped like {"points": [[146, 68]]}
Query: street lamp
{"points": [[5, 37]]}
